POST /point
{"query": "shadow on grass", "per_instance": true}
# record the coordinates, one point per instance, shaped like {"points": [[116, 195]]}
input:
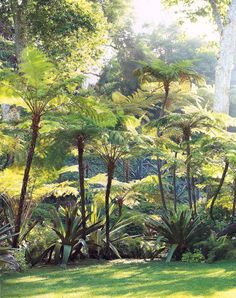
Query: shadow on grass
{"points": [[152, 279]]}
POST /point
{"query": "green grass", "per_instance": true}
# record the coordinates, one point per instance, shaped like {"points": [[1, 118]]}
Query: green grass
{"points": [[104, 279]]}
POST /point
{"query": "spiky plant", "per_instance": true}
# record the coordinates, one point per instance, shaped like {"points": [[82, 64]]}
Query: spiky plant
{"points": [[67, 224], [97, 239], [5, 236], [177, 229]]}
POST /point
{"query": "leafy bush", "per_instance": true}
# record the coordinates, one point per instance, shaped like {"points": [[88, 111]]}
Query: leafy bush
{"points": [[195, 257], [39, 238], [20, 256], [136, 226], [132, 248], [43, 212], [215, 248], [222, 218]]}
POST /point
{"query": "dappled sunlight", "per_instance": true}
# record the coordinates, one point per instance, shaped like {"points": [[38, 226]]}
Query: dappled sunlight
{"points": [[153, 279]]}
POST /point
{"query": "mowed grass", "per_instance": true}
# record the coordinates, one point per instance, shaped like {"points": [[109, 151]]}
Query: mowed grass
{"points": [[117, 279]]}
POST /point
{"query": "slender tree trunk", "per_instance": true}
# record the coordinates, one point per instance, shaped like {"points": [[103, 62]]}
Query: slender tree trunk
{"points": [[234, 201], [161, 188], [80, 147], [167, 90], [34, 136], [162, 113], [219, 188], [126, 170], [198, 189], [194, 196], [86, 170], [110, 174], [174, 182], [188, 170], [225, 62]]}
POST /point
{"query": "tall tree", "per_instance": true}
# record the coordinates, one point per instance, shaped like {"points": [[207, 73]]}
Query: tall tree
{"points": [[166, 74], [79, 123], [112, 146], [37, 88], [224, 13], [68, 31]]}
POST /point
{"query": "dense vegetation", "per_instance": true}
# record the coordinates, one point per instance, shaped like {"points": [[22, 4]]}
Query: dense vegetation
{"points": [[111, 145]]}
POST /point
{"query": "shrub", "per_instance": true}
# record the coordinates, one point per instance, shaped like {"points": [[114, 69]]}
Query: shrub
{"points": [[132, 248], [215, 248], [39, 238], [43, 212], [20, 256], [195, 257]]}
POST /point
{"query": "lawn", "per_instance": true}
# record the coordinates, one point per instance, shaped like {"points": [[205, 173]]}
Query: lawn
{"points": [[122, 279]]}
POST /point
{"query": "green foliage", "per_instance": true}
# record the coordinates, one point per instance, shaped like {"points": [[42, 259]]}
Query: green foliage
{"points": [[133, 248], [177, 230], [97, 239], [215, 248], [20, 256], [38, 240], [70, 32], [68, 228], [158, 70], [37, 87], [6, 234], [43, 212], [195, 257]]}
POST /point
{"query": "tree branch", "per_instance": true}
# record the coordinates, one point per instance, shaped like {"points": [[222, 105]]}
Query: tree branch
{"points": [[217, 16]]}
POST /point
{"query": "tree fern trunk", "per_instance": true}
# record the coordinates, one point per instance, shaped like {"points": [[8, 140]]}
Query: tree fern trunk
{"points": [[161, 188], [162, 113], [219, 188], [194, 196], [34, 136], [126, 170], [174, 182], [110, 174], [234, 200], [80, 147], [188, 171]]}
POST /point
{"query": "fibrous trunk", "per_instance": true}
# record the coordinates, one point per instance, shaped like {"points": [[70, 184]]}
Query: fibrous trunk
{"points": [[219, 187], [80, 147], [34, 136], [234, 200], [174, 182], [110, 174], [194, 196], [161, 188], [188, 170]]}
